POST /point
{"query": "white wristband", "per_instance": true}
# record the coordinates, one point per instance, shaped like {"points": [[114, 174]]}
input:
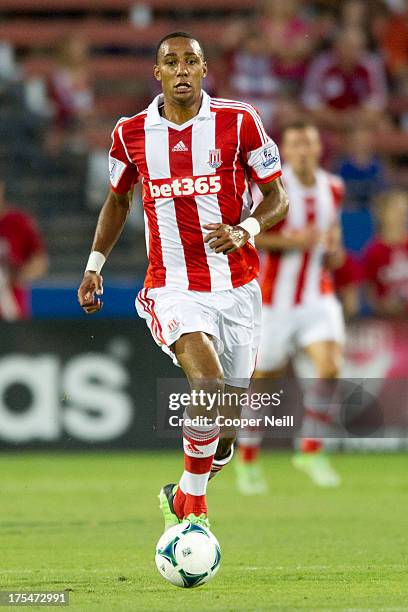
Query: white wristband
{"points": [[251, 225], [95, 262]]}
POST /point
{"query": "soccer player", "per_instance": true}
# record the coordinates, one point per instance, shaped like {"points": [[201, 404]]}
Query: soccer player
{"points": [[386, 258], [300, 310], [195, 157], [23, 259]]}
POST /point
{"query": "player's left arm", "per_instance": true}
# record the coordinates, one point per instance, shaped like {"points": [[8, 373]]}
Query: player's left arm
{"points": [[335, 254], [261, 159], [273, 208]]}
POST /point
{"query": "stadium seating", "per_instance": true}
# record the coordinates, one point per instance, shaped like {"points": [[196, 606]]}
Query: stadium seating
{"points": [[120, 66], [109, 5], [40, 33]]}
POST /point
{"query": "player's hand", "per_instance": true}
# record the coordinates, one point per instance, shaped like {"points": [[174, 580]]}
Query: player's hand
{"points": [[225, 238], [89, 289]]}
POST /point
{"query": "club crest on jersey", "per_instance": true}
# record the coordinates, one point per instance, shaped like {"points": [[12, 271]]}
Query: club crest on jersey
{"points": [[214, 158], [270, 157]]}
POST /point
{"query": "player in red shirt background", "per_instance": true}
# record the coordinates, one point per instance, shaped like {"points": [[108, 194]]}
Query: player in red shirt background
{"points": [[23, 259], [195, 156], [300, 310], [386, 258]]}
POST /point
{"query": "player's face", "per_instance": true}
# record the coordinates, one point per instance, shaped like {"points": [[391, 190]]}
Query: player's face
{"points": [[181, 69], [302, 148]]}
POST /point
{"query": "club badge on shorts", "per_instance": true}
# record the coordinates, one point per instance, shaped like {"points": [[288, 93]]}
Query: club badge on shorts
{"points": [[173, 328], [214, 158]]}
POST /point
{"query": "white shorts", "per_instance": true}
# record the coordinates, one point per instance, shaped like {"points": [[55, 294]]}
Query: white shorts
{"points": [[283, 331], [232, 317]]}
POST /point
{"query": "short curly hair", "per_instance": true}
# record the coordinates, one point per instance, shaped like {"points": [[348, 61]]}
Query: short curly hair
{"points": [[177, 35]]}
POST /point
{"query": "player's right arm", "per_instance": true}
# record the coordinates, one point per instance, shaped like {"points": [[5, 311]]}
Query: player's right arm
{"points": [[123, 176], [110, 224], [289, 240]]}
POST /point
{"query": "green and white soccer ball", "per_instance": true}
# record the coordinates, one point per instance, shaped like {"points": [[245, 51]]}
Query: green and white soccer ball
{"points": [[188, 555]]}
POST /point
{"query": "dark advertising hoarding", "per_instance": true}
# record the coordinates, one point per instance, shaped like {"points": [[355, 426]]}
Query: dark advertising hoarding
{"points": [[79, 384], [104, 384]]}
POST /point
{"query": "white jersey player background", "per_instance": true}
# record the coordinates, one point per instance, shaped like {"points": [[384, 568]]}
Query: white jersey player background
{"points": [[299, 304], [300, 310], [294, 277]]}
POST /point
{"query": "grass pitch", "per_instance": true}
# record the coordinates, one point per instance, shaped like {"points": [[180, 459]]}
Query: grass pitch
{"points": [[90, 523]]}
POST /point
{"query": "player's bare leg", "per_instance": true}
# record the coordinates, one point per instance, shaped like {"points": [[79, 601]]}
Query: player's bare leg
{"points": [[326, 357], [228, 435], [319, 416], [250, 478], [196, 355]]}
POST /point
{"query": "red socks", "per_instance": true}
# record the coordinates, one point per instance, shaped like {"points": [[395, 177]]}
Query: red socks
{"points": [[308, 445], [248, 454], [200, 444]]}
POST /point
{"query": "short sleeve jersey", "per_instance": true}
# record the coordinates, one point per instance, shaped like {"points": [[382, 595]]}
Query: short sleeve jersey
{"points": [[192, 175], [20, 239], [386, 268], [294, 277]]}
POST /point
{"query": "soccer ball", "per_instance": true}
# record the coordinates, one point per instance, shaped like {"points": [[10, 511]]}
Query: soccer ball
{"points": [[188, 555]]}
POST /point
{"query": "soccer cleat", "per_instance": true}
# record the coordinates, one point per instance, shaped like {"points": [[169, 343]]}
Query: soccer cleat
{"points": [[250, 479], [202, 520], [318, 467], [166, 498]]}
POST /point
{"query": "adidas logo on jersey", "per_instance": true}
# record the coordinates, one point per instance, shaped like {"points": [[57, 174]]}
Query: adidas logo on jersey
{"points": [[180, 146]]}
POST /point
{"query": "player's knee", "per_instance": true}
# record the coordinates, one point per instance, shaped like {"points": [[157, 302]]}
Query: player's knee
{"points": [[199, 361], [208, 376], [208, 387]]}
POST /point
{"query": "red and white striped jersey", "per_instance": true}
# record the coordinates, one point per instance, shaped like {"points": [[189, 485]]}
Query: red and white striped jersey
{"points": [[194, 174], [296, 277]]}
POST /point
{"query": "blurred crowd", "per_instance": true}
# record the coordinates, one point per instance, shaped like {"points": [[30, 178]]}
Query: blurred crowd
{"points": [[343, 64]]}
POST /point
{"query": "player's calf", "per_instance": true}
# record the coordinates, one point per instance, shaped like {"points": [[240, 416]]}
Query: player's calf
{"points": [[200, 443], [223, 455]]}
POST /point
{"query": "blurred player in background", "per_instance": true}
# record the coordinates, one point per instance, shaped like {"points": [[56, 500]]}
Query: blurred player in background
{"points": [[195, 156], [23, 259], [386, 258], [300, 309]]}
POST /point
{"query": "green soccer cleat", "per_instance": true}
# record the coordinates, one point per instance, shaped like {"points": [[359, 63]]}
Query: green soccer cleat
{"points": [[250, 479], [318, 467], [166, 499], [199, 520]]}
